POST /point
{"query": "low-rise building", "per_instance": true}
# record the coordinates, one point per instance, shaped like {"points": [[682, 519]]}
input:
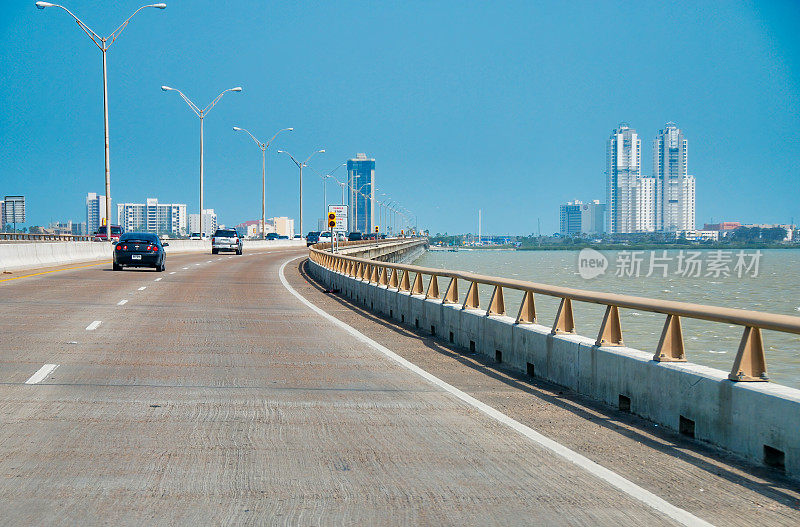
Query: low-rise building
{"points": [[577, 217], [698, 236]]}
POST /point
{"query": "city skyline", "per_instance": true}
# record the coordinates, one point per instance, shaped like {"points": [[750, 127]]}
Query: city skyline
{"points": [[448, 112]]}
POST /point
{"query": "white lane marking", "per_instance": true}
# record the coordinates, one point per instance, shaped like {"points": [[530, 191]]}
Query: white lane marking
{"points": [[599, 471], [229, 257], [209, 261], [94, 325], [43, 372], [197, 264], [185, 268], [142, 288], [173, 272], [121, 303], [158, 279]]}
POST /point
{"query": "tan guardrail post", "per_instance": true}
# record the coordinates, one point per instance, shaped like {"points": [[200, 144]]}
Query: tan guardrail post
{"points": [[527, 309], [497, 304], [750, 364], [405, 285], [394, 283], [451, 293], [611, 328], [383, 280], [417, 288], [472, 300], [565, 321], [670, 345], [374, 276], [433, 287]]}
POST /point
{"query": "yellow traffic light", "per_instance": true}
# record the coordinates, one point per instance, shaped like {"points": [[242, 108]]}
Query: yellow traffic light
{"points": [[377, 229]]}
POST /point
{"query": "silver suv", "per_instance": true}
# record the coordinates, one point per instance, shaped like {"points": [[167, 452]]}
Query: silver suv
{"points": [[226, 240]]}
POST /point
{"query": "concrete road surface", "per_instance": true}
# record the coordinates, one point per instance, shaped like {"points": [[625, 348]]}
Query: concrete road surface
{"points": [[211, 394]]}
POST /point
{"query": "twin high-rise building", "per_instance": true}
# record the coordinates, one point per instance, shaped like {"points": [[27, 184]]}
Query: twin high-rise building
{"points": [[636, 203], [675, 188]]}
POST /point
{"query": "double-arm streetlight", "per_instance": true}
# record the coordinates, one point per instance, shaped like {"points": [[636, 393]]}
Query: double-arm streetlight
{"points": [[300, 166], [263, 147], [324, 177], [104, 43], [201, 114]]}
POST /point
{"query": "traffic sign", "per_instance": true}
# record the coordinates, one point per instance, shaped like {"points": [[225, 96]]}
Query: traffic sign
{"points": [[340, 216]]}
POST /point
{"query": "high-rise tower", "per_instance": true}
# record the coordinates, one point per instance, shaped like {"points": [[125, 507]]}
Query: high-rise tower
{"points": [[623, 172], [675, 188]]}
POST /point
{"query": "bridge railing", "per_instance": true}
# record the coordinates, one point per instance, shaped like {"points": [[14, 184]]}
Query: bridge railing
{"points": [[44, 237], [749, 364]]}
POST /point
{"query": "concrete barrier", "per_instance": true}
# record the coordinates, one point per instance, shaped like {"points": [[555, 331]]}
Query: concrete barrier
{"points": [[32, 255], [759, 421]]}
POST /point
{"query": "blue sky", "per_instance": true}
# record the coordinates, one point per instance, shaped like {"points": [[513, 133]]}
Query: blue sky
{"points": [[503, 106]]}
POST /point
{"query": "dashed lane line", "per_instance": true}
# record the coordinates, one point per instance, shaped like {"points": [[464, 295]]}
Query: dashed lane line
{"points": [[94, 325], [173, 272], [142, 288], [121, 303], [628, 487], [158, 279], [43, 372]]}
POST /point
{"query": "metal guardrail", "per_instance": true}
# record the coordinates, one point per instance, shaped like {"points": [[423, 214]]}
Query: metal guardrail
{"points": [[44, 237], [749, 364]]}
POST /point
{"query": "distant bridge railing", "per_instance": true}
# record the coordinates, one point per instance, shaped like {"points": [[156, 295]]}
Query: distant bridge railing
{"points": [[45, 237], [749, 364]]}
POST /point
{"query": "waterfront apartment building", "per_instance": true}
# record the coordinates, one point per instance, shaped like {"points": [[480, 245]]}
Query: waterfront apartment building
{"points": [[95, 212], [577, 217], [663, 202], [361, 199], [623, 172], [209, 221], [152, 216], [675, 188]]}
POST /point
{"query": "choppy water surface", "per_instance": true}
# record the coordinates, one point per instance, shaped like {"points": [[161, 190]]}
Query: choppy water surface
{"points": [[776, 289]]}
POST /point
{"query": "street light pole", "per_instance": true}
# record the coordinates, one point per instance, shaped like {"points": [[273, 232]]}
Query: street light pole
{"points": [[263, 147], [104, 43], [300, 166], [201, 114], [325, 189]]}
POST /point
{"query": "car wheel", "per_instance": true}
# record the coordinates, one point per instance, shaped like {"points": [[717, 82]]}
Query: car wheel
{"points": [[214, 251], [117, 267]]}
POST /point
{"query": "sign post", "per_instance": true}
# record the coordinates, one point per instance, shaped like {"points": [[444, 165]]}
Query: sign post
{"points": [[331, 226]]}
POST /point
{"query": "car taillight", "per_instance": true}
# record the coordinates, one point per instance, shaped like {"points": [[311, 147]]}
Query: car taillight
{"points": [[124, 247], [212, 239], [119, 248]]}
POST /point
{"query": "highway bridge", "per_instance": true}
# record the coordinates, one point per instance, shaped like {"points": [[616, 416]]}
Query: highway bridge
{"points": [[238, 389]]}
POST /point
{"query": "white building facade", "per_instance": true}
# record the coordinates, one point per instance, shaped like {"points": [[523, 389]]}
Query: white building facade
{"points": [[209, 220], [675, 188], [623, 171], [152, 216], [95, 212]]}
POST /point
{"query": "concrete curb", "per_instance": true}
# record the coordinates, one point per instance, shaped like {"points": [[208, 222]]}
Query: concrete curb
{"points": [[32, 255]]}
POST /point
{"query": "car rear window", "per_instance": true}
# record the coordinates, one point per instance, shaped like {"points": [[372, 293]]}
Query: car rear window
{"points": [[138, 237], [226, 234]]}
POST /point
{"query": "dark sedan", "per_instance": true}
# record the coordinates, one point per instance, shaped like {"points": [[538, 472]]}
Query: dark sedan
{"points": [[140, 249]]}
